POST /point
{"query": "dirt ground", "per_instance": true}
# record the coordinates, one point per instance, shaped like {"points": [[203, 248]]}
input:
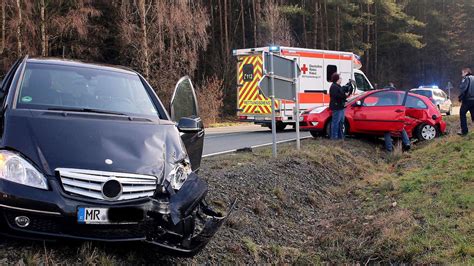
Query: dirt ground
{"points": [[304, 208]]}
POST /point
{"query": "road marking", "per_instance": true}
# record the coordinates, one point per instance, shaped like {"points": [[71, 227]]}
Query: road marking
{"points": [[251, 147]]}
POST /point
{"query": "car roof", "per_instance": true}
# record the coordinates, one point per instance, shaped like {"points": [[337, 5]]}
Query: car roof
{"points": [[76, 63]]}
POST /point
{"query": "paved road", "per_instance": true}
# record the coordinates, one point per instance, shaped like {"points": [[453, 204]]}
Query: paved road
{"points": [[229, 139]]}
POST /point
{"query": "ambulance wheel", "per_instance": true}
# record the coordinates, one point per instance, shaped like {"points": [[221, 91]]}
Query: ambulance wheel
{"points": [[280, 126]]}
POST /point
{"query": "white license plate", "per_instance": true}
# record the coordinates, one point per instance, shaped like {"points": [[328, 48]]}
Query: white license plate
{"points": [[92, 215]]}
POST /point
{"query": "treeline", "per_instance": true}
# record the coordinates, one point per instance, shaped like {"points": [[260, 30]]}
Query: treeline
{"points": [[407, 42]]}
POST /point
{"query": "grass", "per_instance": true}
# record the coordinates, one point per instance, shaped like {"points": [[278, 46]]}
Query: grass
{"points": [[435, 183]]}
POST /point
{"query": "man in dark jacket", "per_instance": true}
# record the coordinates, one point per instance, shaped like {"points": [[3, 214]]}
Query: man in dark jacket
{"points": [[466, 97], [336, 105]]}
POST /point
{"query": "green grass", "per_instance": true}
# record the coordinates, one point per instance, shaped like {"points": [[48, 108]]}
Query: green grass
{"points": [[439, 190]]}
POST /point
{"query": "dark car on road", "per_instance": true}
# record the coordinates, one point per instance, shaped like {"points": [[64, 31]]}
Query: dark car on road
{"points": [[89, 152]]}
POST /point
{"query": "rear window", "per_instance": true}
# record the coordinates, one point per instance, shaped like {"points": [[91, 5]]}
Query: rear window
{"points": [[57, 86], [426, 93]]}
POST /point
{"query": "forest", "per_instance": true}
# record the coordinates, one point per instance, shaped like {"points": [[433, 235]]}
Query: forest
{"points": [[407, 42]]}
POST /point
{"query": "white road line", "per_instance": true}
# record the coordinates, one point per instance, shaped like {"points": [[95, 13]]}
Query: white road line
{"points": [[251, 147]]}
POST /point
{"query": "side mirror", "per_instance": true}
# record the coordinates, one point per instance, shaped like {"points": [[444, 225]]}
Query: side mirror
{"points": [[190, 125], [358, 103]]}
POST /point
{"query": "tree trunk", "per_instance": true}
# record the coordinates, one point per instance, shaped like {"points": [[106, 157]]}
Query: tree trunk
{"points": [[43, 29], [226, 31], [376, 45], [367, 54], [254, 9], [18, 28], [143, 28], [327, 26], [315, 23], [221, 28], [3, 27], [242, 10]]}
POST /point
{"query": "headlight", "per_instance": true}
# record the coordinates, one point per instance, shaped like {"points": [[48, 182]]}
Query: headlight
{"points": [[318, 110], [179, 174], [16, 169]]}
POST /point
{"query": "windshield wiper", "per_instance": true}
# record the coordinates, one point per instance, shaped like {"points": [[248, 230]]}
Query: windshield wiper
{"points": [[86, 110]]}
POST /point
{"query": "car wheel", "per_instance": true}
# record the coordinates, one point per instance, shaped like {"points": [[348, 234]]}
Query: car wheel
{"points": [[328, 128], [426, 132]]}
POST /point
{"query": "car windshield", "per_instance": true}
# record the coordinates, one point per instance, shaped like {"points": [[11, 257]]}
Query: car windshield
{"points": [[59, 87], [426, 93]]}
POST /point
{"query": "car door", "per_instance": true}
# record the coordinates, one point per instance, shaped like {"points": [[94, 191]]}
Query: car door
{"points": [[185, 112], [379, 112]]}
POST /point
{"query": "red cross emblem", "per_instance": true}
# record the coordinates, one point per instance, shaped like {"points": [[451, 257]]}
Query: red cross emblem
{"points": [[304, 69]]}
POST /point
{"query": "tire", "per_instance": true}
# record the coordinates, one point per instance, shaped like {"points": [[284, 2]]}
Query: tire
{"points": [[327, 128], [426, 132], [280, 126]]}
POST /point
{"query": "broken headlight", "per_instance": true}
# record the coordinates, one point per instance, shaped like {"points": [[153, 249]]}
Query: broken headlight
{"points": [[16, 169], [179, 174]]}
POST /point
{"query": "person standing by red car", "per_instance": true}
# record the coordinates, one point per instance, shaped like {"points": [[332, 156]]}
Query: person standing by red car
{"points": [[336, 104], [467, 99]]}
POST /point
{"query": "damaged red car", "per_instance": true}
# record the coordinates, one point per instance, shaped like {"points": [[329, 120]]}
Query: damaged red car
{"points": [[89, 152], [380, 111]]}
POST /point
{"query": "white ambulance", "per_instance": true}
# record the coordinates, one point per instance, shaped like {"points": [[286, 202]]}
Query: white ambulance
{"points": [[316, 66]]}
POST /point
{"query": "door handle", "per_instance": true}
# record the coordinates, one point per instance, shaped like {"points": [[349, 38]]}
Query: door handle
{"points": [[201, 133], [398, 111]]}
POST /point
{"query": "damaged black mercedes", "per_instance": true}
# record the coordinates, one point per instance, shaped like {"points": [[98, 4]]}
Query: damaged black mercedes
{"points": [[89, 152]]}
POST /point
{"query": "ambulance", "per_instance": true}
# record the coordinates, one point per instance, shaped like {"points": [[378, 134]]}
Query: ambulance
{"points": [[316, 67]]}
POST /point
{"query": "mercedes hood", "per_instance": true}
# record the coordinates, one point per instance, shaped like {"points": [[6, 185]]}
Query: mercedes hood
{"points": [[51, 140]]}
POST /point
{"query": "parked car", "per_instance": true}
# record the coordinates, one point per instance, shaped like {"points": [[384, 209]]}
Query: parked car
{"points": [[89, 152], [380, 111], [437, 96]]}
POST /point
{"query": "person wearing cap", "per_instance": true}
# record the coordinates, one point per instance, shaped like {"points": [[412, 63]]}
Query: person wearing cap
{"points": [[336, 105]]}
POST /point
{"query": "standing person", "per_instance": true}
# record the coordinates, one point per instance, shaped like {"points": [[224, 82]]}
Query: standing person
{"points": [[466, 97], [336, 105]]}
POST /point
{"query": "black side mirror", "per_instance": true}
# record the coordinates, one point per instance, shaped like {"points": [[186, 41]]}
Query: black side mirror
{"points": [[190, 125]]}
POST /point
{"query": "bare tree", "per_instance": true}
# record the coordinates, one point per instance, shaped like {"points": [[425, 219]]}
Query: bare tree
{"points": [[3, 26], [43, 28], [18, 27]]}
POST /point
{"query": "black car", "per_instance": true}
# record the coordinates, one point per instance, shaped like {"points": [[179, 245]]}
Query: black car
{"points": [[89, 152]]}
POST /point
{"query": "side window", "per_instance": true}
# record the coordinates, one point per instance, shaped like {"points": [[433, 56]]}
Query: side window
{"points": [[361, 82], [415, 102], [384, 98], [330, 69]]}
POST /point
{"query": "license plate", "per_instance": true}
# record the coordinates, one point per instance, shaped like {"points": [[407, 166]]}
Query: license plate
{"points": [[92, 215]]}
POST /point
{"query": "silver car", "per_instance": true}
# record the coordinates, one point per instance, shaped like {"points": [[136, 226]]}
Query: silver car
{"points": [[437, 96]]}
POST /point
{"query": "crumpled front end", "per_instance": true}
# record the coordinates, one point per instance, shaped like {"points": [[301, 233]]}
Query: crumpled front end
{"points": [[184, 223]]}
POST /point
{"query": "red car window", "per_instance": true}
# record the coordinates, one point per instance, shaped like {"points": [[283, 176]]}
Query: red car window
{"points": [[384, 98]]}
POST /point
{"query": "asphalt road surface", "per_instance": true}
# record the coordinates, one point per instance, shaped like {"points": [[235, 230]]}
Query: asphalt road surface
{"points": [[229, 139]]}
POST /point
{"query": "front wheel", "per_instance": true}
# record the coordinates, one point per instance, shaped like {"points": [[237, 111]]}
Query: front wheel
{"points": [[426, 132], [345, 128]]}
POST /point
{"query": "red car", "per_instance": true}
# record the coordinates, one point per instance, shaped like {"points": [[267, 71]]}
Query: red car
{"points": [[380, 111]]}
